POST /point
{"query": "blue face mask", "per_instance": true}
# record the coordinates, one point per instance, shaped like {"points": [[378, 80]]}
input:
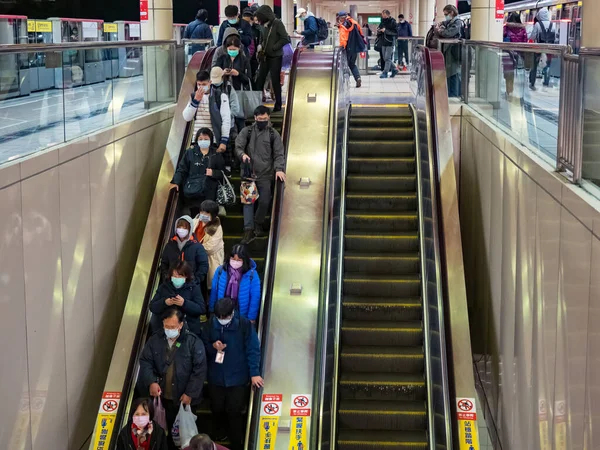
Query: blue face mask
{"points": [[203, 143], [448, 17], [233, 53], [178, 282], [302, 18], [232, 21]]}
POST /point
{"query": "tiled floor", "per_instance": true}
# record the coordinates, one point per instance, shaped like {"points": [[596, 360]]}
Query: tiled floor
{"points": [[376, 90]]}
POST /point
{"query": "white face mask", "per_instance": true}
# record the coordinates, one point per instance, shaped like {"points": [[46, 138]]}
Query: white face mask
{"points": [[225, 322], [182, 233], [402, 20], [171, 334], [206, 89]]}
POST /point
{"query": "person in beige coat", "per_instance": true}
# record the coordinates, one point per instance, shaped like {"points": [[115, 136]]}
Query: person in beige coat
{"points": [[209, 233]]}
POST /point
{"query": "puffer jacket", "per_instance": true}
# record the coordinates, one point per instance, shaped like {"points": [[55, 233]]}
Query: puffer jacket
{"points": [[191, 176], [190, 365], [515, 32], [265, 149], [311, 29], [193, 304], [274, 36], [249, 292]]}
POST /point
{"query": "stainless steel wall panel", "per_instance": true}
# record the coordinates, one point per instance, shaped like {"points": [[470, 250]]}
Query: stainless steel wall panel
{"points": [[77, 284], [15, 413], [44, 308]]}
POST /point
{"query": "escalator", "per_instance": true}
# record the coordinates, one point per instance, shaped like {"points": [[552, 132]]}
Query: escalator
{"points": [[381, 383]]}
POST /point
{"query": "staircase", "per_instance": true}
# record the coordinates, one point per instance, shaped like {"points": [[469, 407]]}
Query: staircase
{"points": [[381, 383]]}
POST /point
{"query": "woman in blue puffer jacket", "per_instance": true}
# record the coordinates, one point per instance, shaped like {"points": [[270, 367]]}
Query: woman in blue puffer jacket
{"points": [[237, 278]]}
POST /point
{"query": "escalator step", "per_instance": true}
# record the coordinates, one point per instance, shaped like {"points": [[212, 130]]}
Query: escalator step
{"points": [[384, 359], [383, 286], [382, 264], [380, 121], [403, 334], [365, 165], [372, 221], [382, 386], [381, 202], [374, 183], [381, 309], [366, 132], [259, 245], [382, 242], [377, 440], [381, 415], [384, 148], [235, 221]]}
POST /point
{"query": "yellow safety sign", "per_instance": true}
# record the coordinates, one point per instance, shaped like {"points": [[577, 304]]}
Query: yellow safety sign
{"points": [[560, 425], [543, 421], [31, 26], [268, 432], [111, 28], [466, 413], [105, 422], [43, 26], [298, 433]]}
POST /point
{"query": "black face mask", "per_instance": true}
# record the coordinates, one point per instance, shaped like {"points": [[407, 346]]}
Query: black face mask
{"points": [[262, 124]]}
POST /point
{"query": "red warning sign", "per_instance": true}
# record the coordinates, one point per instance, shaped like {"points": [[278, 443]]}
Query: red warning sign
{"points": [[110, 402], [465, 409], [300, 405], [271, 409], [271, 405]]}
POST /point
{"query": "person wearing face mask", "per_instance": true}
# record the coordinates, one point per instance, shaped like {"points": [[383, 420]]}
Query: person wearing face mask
{"points": [[386, 34], [179, 291], [233, 354], [451, 28], [235, 64], [210, 108], [210, 234], [199, 172], [352, 40], [184, 247], [404, 29], [173, 366], [260, 146], [248, 16], [141, 432], [232, 12], [310, 34], [238, 279]]}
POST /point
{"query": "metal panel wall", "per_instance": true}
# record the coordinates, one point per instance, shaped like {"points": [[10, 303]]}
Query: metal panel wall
{"points": [[532, 260], [71, 223]]}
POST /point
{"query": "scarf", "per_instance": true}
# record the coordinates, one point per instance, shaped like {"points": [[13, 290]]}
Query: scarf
{"points": [[233, 286], [141, 438]]}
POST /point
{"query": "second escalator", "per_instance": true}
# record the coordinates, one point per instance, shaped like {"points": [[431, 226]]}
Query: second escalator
{"points": [[381, 383]]}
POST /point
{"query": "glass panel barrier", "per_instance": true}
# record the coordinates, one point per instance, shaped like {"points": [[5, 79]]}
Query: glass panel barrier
{"points": [[591, 118], [48, 97]]}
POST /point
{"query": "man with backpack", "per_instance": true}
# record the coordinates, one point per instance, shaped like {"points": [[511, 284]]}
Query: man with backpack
{"points": [[260, 146], [542, 33], [198, 29], [232, 12], [353, 41], [315, 28]]}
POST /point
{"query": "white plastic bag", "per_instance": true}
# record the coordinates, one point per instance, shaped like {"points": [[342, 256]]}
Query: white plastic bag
{"points": [[184, 427]]}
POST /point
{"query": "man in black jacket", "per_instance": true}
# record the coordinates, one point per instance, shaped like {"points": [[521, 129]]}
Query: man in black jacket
{"points": [[232, 12], [387, 33], [173, 366], [198, 29]]}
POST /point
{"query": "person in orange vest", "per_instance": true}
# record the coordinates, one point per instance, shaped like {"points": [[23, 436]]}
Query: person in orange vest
{"points": [[353, 40]]}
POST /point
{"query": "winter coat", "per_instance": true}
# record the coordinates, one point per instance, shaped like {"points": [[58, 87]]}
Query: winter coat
{"points": [[311, 29], [190, 365], [197, 29], [244, 30], [387, 28], [158, 438], [451, 29], [241, 63], [217, 103], [192, 252], [242, 354], [191, 176], [404, 29], [274, 36], [213, 244], [515, 32], [248, 295], [265, 149], [542, 16], [345, 28], [193, 304]]}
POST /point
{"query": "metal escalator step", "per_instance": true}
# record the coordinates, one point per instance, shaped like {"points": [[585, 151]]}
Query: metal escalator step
{"points": [[378, 183], [381, 202], [382, 386], [382, 415], [383, 148], [371, 221], [378, 440], [383, 359], [365, 165], [381, 242], [405, 334], [381, 286], [382, 263], [373, 133], [259, 245], [234, 221], [381, 309], [380, 120]]}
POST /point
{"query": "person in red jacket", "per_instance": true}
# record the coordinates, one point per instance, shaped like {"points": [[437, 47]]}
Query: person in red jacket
{"points": [[346, 25], [514, 31]]}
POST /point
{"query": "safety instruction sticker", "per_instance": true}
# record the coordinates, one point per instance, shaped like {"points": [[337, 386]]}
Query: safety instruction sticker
{"points": [[560, 425], [300, 408], [543, 420], [270, 412], [43, 26], [466, 413], [105, 422], [111, 28], [31, 26]]}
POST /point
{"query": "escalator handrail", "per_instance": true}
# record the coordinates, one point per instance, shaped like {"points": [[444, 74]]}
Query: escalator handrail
{"points": [[271, 257], [143, 322]]}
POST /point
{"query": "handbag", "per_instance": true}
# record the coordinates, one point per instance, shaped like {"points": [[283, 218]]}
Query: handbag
{"points": [[248, 188], [379, 43], [249, 100], [160, 415], [225, 192]]}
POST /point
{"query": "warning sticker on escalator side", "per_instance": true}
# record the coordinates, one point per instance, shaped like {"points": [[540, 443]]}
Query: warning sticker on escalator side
{"points": [[466, 413], [105, 422]]}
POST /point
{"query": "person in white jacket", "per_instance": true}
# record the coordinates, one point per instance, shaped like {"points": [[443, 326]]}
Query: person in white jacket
{"points": [[541, 33], [210, 107], [209, 232]]}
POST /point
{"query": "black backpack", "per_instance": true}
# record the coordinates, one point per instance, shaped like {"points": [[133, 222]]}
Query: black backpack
{"points": [[546, 36], [323, 32]]}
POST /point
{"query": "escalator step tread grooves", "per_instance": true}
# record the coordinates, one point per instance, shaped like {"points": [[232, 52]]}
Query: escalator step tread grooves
{"points": [[381, 384]]}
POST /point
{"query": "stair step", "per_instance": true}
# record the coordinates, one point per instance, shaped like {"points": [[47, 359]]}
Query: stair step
{"points": [[384, 286], [381, 202], [374, 221], [365, 333], [382, 386], [382, 263], [361, 131], [381, 309], [377, 183], [383, 359], [382, 415], [365, 165], [383, 148], [381, 242], [234, 222], [379, 439]]}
